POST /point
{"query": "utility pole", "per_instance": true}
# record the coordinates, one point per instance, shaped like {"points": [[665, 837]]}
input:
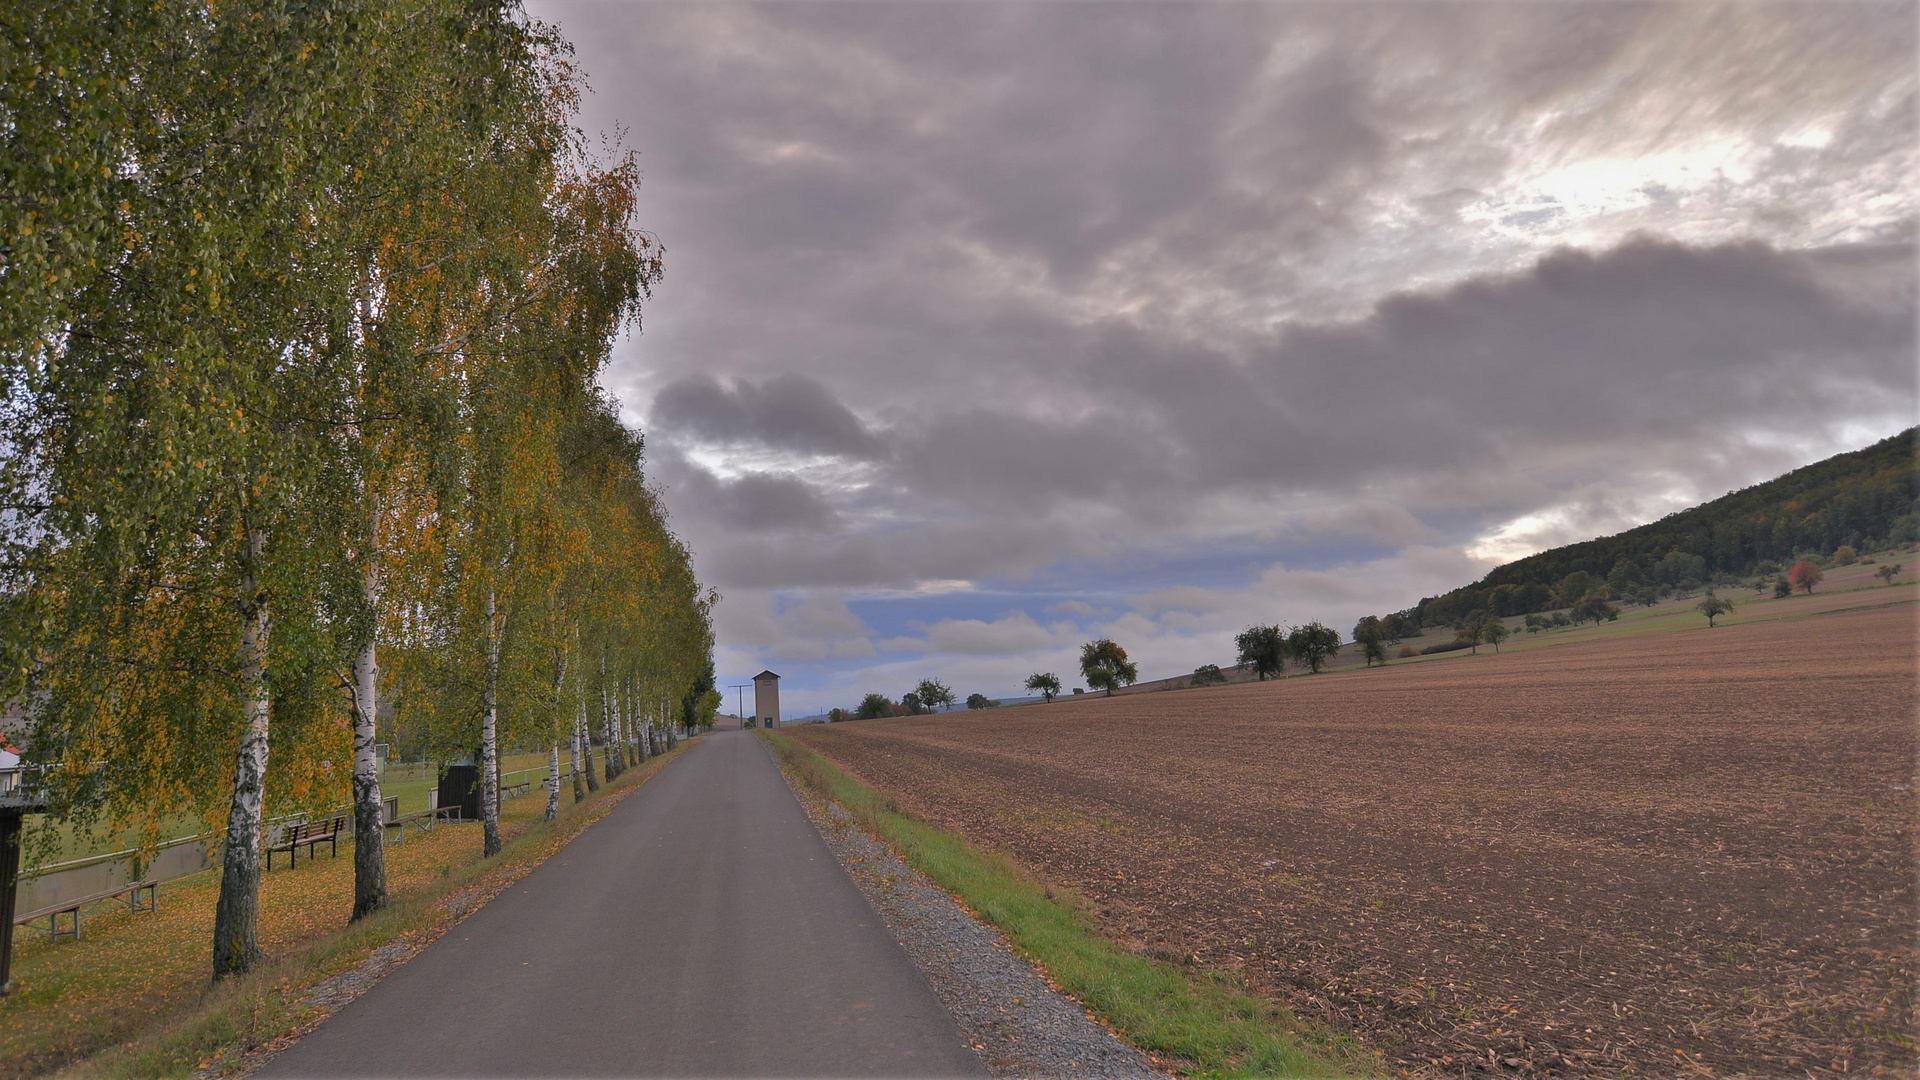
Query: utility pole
{"points": [[740, 695]]}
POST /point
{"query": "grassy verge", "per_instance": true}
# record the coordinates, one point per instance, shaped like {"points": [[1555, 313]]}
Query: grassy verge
{"points": [[131, 998], [1204, 1021]]}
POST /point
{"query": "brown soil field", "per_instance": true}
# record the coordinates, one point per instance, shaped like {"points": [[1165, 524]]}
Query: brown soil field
{"points": [[1684, 853]]}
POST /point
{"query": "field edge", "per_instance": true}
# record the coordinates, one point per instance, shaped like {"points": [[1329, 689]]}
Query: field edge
{"points": [[1203, 1022]]}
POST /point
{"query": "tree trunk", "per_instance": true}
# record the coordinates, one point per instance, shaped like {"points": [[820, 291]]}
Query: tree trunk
{"points": [[236, 937], [489, 746], [553, 781], [626, 729], [579, 788], [619, 718], [606, 726], [586, 748], [633, 726], [369, 834]]}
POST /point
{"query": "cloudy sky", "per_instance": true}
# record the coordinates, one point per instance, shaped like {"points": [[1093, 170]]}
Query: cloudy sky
{"points": [[991, 328]]}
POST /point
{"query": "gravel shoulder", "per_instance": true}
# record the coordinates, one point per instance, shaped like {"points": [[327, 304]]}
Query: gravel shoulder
{"points": [[1019, 1024]]}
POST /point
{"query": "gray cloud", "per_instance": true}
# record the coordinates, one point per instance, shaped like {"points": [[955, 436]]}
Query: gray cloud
{"points": [[789, 411], [978, 292], [753, 504]]}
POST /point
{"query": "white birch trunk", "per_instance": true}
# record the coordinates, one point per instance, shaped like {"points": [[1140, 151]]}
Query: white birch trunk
{"points": [[553, 781], [633, 727], [610, 764], [579, 788], [236, 937], [369, 834], [489, 747], [586, 748]]}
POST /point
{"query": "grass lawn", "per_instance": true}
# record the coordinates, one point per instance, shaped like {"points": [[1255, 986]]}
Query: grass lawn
{"points": [[1207, 1023], [136, 985]]}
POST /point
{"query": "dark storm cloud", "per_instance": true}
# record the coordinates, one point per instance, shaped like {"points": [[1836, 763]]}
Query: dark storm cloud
{"points": [[1632, 352], [757, 503], [1652, 342], [790, 411]]}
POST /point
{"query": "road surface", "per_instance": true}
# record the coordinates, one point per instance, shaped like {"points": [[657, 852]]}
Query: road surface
{"points": [[702, 928]]}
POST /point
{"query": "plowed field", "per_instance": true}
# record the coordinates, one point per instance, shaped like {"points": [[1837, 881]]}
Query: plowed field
{"points": [[1687, 853]]}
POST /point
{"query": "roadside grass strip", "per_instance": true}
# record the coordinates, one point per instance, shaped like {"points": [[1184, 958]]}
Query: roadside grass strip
{"points": [[1202, 1020], [131, 998]]}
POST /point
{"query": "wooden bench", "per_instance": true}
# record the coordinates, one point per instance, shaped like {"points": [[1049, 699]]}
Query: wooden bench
{"points": [[71, 908], [422, 821], [310, 835]]}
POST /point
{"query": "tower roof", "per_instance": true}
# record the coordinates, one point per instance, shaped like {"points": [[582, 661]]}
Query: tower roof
{"points": [[765, 675]]}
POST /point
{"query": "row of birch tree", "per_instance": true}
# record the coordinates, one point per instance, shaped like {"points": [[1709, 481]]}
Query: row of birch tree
{"points": [[302, 311]]}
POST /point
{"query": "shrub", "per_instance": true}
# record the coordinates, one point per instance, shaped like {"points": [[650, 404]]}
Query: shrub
{"points": [[1208, 675], [1406, 651], [1447, 646], [1844, 555], [1804, 576], [981, 701]]}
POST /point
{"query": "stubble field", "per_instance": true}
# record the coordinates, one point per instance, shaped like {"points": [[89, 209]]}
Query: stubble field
{"points": [[1687, 853]]}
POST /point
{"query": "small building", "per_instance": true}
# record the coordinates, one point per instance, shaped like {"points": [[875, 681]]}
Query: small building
{"points": [[766, 699]]}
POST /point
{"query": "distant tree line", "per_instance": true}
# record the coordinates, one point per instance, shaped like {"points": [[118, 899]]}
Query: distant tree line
{"points": [[1103, 663], [1864, 498]]}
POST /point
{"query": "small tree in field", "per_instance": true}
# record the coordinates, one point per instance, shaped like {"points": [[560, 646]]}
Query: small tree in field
{"points": [[1368, 636], [934, 695], [1472, 632], [1044, 683], [1713, 606], [1263, 648], [1106, 666], [1597, 606], [1494, 633], [1844, 555], [1782, 588], [873, 707], [1888, 573], [1207, 675], [1804, 576], [980, 701], [1313, 644]]}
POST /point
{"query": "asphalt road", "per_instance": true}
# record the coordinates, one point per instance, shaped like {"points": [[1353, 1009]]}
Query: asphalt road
{"points": [[700, 929]]}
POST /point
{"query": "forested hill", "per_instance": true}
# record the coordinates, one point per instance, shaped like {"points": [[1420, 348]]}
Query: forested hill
{"points": [[1859, 499]]}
